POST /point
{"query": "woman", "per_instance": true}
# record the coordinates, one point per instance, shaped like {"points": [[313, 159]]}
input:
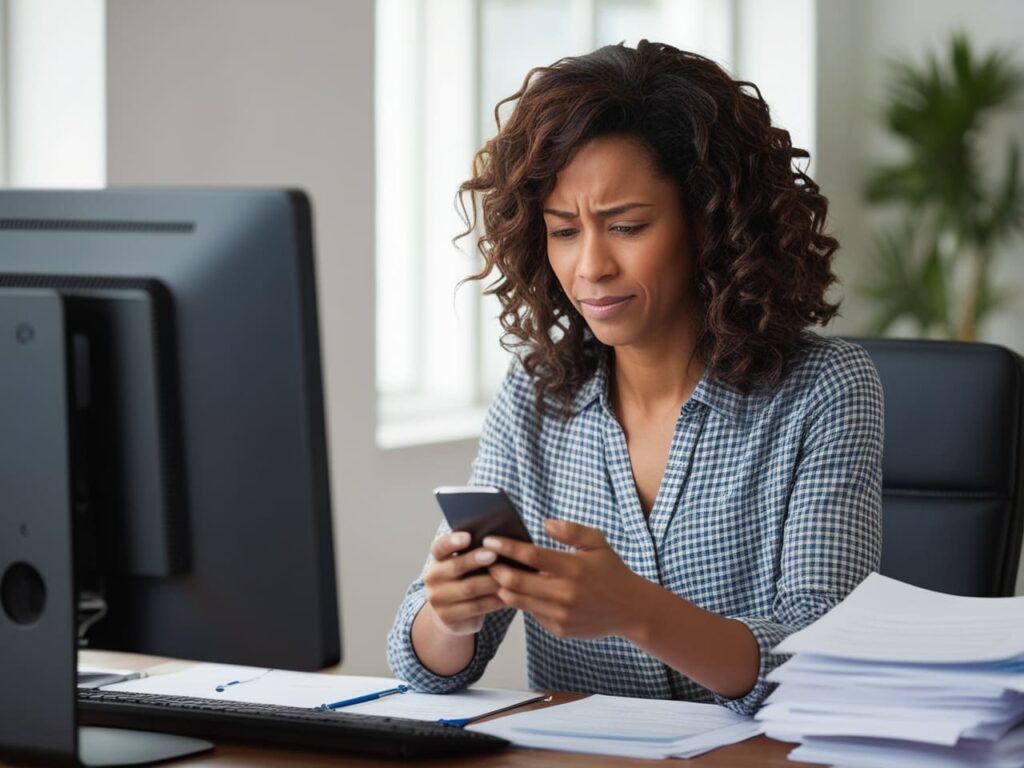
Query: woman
{"points": [[700, 473]]}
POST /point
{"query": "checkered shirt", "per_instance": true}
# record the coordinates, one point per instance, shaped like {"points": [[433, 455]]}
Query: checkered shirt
{"points": [[769, 512]]}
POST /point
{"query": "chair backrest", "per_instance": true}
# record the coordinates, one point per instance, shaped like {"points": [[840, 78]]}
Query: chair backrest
{"points": [[953, 464]]}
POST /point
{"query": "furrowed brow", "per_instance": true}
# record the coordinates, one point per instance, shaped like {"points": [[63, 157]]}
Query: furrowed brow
{"points": [[604, 213]]}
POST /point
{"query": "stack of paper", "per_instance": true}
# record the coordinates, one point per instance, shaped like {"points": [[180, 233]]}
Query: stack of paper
{"points": [[898, 675], [625, 727]]}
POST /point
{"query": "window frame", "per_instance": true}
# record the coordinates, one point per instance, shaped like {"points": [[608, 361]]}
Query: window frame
{"points": [[5, 48], [415, 415]]}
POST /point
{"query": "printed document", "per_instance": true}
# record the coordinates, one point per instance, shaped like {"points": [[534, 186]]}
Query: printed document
{"points": [[625, 727], [896, 675], [257, 685]]}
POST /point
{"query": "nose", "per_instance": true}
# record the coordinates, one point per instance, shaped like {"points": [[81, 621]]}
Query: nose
{"points": [[596, 262]]}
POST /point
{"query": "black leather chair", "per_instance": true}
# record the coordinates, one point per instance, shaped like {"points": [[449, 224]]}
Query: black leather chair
{"points": [[953, 464]]}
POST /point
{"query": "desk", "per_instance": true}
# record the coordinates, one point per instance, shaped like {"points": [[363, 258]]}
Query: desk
{"points": [[759, 752]]}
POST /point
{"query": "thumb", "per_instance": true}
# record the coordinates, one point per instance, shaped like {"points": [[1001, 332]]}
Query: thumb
{"points": [[574, 534]]}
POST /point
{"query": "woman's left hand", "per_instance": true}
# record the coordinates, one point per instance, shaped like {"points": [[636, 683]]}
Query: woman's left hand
{"points": [[584, 594]]}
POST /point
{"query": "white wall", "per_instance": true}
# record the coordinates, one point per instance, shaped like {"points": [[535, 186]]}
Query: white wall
{"points": [[856, 38], [271, 92], [839, 167]]}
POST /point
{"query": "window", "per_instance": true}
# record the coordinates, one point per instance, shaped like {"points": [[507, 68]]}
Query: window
{"points": [[52, 102], [441, 67], [5, 48]]}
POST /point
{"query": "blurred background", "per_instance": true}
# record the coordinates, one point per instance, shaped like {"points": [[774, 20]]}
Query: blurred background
{"points": [[912, 111]]}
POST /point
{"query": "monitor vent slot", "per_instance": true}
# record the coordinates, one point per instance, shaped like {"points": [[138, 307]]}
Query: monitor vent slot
{"points": [[76, 282], [93, 225]]}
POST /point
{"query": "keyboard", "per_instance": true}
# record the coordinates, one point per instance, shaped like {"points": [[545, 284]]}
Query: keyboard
{"points": [[270, 725]]}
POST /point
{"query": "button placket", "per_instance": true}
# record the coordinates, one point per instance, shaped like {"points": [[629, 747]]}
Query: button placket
{"points": [[689, 426], [644, 562]]}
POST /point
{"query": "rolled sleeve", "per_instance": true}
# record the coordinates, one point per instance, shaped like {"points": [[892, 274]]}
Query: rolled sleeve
{"points": [[832, 534], [405, 664], [494, 465]]}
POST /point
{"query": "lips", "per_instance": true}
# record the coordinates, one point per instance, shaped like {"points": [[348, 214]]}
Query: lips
{"points": [[604, 301], [604, 307]]}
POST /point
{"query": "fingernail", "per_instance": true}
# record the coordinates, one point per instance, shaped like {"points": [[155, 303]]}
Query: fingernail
{"points": [[485, 557], [460, 539], [492, 543]]}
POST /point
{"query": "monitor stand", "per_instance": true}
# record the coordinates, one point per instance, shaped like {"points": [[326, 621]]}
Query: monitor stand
{"points": [[118, 747], [38, 598]]}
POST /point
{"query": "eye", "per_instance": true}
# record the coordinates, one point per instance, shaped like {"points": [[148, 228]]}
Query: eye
{"points": [[561, 234], [628, 229]]}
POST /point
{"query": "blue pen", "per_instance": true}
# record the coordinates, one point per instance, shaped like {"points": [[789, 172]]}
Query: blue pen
{"points": [[220, 688], [364, 697], [456, 722]]}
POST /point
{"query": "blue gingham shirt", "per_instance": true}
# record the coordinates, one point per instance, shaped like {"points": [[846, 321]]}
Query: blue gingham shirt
{"points": [[769, 512]]}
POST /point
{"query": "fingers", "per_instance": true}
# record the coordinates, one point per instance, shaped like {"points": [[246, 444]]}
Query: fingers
{"points": [[460, 590], [540, 558], [537, 585], [446, 546], [471, 609], [456, 568], [575, 535], [460, 606], [460, 601], [548, 599], [449, 566], [554, 618]]}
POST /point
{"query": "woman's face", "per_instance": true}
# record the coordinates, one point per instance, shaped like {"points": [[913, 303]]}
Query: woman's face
{"points": [[619, 244]]}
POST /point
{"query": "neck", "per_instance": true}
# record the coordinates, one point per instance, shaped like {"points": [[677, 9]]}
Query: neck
{"points": [[657, 376]]}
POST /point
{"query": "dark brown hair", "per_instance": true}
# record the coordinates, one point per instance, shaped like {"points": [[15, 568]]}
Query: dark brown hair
{"points": [[763, 262]]}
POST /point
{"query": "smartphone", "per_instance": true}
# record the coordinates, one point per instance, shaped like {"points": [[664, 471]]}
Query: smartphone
{"points": [[482, 511]]}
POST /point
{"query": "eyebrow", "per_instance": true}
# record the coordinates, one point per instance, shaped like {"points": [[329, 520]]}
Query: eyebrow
{"points": [[605, 213]]}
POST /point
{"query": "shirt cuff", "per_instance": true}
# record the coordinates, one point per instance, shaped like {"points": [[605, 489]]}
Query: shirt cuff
{"points": [[768, 635], [406, 665]]}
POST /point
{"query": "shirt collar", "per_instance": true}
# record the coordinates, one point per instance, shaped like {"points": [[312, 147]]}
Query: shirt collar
{"points": [[593, 388], [721, 398]]}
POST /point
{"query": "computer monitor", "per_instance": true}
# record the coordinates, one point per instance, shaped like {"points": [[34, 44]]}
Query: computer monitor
{"points": [[163, 462]]}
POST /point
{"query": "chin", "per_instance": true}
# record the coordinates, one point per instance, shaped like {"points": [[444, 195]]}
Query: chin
{"points": [[613, 337]]}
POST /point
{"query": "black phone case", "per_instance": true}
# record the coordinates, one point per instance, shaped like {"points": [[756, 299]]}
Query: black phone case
{"points": [[484, 513]]}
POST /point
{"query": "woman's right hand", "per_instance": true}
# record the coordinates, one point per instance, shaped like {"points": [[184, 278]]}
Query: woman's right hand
{"points": [[458, 602]]}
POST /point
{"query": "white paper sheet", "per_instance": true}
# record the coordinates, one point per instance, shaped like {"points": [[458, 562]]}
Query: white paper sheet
{"points": [[939, 697], [887, 620], [892, 709], [625, 727], [304, 689], [1007, 753], [795, 728]]}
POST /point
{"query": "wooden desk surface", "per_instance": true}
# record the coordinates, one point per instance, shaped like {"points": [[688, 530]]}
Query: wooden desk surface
{"points": [[759, 752]]}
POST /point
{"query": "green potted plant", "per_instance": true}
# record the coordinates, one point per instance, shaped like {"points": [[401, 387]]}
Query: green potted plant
{"points": [[935, 268]]}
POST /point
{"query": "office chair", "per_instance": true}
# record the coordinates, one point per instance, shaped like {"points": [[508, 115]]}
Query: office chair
{"points": [[953, 464]]}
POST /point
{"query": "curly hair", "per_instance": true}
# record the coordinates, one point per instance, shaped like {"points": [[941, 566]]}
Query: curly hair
{"points": [[762, 264]]}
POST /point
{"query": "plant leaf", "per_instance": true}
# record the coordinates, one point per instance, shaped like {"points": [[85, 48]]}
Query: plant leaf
{"points": [[902, 288]]}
